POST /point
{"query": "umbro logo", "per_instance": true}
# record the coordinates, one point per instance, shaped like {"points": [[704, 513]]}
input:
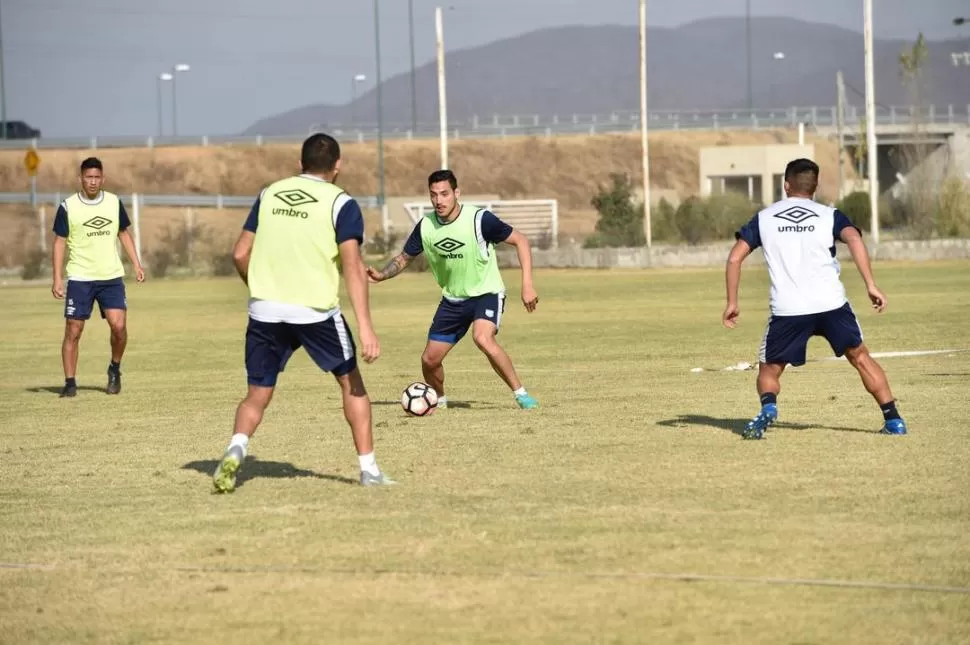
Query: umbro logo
{"points": [[97, 222], [796, 214], [295, 197], [448, 245]]}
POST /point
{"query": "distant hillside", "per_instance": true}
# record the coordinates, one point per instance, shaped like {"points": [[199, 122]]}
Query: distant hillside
{"points": [[594, 70]]}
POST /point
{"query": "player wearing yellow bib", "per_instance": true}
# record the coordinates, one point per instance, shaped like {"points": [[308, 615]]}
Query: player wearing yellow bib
{"points": [[298, 234], [87, 227], [459, 243]]}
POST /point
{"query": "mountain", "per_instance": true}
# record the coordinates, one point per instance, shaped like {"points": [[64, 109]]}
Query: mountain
{"points": [[700, 65]]}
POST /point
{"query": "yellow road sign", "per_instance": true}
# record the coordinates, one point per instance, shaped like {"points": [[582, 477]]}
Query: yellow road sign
{"points": [[31, 162]]}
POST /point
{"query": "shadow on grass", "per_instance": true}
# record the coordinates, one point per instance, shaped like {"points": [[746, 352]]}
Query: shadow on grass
{"points": [[254, 468], [461, 405], [736, 425], [56, 389]]}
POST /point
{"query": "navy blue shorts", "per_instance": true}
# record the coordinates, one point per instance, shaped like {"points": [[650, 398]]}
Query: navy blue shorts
{"points": [[452, 319], [81, 296], [270, 345], [787, 336]]}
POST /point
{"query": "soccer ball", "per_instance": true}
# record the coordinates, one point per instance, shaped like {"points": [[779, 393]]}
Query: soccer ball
{"points": [[419, 399]]}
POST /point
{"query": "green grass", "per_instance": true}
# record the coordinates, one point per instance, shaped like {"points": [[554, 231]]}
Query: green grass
{"points": [[556, 525]]}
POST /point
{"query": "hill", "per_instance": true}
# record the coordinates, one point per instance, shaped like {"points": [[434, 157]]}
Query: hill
{"points": [[701, 65]]}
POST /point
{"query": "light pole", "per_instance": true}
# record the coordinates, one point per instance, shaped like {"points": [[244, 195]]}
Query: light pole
{"points": [[380, 108], [358, 78], [3, 94], [164, 76], [181, 67], [873, 160], [777, 56], [414, 90], [442, 95], [747, 35], [644, 144]]}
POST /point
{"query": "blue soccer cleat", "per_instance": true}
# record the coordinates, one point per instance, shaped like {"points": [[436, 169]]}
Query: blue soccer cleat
{"points": [[894, 426], [755, 428], [526, 402]]}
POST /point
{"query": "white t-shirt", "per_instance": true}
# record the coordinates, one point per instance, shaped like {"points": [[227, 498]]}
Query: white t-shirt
{"points": [[798, 238]]}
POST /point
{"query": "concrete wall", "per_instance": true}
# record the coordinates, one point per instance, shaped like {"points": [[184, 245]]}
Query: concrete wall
{"points": [[715, 255]]}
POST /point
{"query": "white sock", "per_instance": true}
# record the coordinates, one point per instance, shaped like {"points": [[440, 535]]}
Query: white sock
{"points": [[368, 464], [443, 401], [240, 440], [520, 392]]}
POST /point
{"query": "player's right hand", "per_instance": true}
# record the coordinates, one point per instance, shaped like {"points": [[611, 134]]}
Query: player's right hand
{"points": [[878, 298], [730, 316], [373, 275], [58, 289], [370, 347]]}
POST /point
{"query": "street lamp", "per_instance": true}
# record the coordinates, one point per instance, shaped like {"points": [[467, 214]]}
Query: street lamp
{"points": [[358, 78], [414, 95], [959, 21], [164, 76], [181, 67], [778, 56], [380, 107]]}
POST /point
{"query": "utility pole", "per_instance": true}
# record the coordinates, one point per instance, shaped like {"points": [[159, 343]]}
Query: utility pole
{"points": [[414, 90], [840, 124], [873, 159], [747, 33]]}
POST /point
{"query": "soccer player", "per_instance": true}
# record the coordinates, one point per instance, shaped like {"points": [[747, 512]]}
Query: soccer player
{"points": [[460, 241], [300, 232], [86, 226], [807, 297]]}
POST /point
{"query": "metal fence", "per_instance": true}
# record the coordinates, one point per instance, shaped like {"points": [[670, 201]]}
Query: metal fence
{"points": [[543, 125], [198, 201]]}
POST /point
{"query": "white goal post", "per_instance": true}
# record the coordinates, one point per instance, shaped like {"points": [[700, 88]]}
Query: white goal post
{"points": [[537, 219]]}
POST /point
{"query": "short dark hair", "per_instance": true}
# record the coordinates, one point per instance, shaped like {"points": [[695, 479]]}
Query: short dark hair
{"points": [[320, 153], [443, 175], [802, 176], [91, 162]]}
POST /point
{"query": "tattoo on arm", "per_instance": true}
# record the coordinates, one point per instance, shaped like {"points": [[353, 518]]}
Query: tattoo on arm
{"points": [[397, 264]]}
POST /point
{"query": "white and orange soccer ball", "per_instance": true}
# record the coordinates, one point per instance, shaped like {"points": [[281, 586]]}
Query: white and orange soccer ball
{"points": [[419, 399]]}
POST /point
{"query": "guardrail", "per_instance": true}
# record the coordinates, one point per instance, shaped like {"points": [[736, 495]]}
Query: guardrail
{"points": [[198, 201], [541, 125]]}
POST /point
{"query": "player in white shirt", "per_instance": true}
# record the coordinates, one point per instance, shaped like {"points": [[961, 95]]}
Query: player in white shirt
{"points": [[807, 298]]}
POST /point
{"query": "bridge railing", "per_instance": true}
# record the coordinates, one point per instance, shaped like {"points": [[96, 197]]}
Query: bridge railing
{"points": [[538, 125]]}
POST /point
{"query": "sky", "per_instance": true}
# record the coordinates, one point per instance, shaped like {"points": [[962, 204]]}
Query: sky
{"points": [[88, 68]]}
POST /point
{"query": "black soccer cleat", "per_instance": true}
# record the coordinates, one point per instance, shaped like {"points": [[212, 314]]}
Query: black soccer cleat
{"points": [[68, 391], [114, 381]]}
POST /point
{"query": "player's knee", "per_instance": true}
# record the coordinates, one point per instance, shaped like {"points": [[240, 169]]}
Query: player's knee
{"points": [[72, 331], [430, 361], [484, 339], [859, 356], [119, 330]]}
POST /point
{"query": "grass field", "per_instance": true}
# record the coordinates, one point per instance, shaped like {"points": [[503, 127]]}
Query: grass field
{"points": [[580, 522]]}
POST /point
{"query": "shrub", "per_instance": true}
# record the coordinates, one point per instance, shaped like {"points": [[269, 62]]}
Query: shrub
{"points": [[620, 222], [35, 261], [953, 211]]}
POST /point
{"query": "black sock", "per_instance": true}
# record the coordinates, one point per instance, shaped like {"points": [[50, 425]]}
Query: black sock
{"points": [[115, 367], [889, 411], [769, 397], [70, 382]]}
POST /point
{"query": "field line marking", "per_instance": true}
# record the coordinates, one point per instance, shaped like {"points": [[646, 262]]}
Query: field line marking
{"points": [[26, 565], [682, 577]]}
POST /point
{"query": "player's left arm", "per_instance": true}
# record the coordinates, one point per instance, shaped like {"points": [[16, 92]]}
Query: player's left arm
{"points": [[846, 231], [127, 243], [242, 252], [495, 231]]}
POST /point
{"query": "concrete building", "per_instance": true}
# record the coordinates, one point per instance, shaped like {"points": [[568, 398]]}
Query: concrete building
{"points": [[755, 171]]}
